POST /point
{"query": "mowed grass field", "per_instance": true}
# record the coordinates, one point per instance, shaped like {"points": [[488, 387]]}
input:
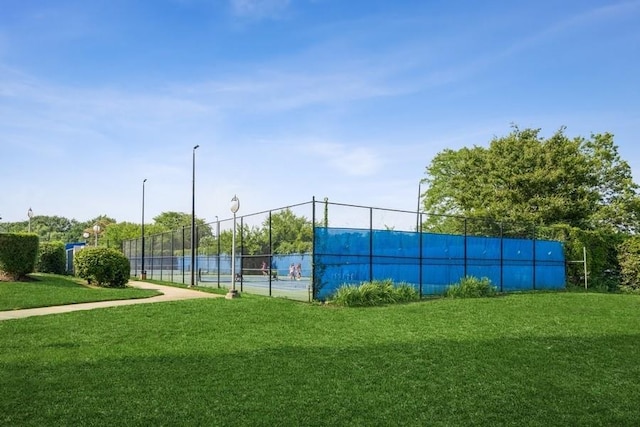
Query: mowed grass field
{"points": [[44, 290], [523, 359]]}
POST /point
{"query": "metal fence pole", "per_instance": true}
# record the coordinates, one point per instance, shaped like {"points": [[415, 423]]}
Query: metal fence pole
{"points": [[173, 257], [218, 259], [371, 244], [270, 252], [501, 258], [534, 257], [135, 271], [421, 254], [465, 247], [313, 244], [183, 263], [152, 258], [161, 254], [241, 252]]}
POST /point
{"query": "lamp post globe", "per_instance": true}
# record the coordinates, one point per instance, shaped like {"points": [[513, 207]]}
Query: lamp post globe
{"points": [[235, 206], [86, 236]]}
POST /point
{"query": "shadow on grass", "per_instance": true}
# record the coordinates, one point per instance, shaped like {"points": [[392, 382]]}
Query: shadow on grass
{"points": [[190, 381]]}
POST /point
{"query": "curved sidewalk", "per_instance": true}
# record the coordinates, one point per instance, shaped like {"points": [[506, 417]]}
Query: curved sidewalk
{"points": [[169, 293]]}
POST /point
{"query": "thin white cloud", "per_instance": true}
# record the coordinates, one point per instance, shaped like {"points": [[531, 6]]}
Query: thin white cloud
{"points": [[259, 9], [350, 160], [586, 19]]}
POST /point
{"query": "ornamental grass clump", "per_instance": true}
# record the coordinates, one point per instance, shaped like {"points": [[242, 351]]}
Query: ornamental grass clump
{"points": [[471, 287], [377, 292]]}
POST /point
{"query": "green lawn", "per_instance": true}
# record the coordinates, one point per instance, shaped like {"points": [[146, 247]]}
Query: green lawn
{"points": [[49, 290], [528, 359]]}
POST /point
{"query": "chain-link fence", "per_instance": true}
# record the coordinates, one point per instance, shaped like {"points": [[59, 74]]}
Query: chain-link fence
{"points": [[306, 251]]}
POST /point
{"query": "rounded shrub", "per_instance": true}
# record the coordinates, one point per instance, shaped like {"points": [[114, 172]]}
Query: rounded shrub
{"points": [[103, 266], [18, 253], [51, 258], [471, 287]]}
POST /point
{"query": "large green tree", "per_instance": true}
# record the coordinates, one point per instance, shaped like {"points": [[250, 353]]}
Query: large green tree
{"points": [[524, 177]]}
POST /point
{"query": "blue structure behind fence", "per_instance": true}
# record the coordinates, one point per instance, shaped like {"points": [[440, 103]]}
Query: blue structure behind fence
{"points": [[432, 262], [348, 244]]}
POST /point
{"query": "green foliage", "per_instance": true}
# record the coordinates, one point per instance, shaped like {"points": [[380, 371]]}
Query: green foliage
{"points": [[116, 233], [377, 292], [18, 253], [602, 248], [526, 178], [629, 259], [104, 266], [289, 233], [51, 258], [471, 287]]}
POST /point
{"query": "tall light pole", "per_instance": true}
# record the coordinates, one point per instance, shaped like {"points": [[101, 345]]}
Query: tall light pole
{"points": [[86, 236], [143, 273], [233, 293], [30, 215], [193, 219], [96, 230]]}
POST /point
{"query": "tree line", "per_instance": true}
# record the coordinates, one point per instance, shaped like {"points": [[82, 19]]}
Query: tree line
{"points": [[285, 232], [577, 189]]}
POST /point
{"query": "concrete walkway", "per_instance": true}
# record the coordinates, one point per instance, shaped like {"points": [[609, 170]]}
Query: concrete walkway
{"points": [[169, 293]]}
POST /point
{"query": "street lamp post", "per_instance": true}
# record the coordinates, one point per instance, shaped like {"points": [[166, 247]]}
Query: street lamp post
{"points": [[30, 215], [143, 272], [86, 236], [193, 218], [233, 293], [96, 230]]}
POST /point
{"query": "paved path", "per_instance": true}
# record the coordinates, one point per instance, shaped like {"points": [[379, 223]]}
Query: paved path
{"points": [[169, 293]]}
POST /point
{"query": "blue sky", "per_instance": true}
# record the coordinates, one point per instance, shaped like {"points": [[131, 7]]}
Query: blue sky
{"points": [[290, 99]]}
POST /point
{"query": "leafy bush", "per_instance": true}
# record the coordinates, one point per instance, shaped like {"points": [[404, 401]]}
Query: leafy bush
{"points": [[105, 266], [629, 260], [471, 287], [377, 292], [18, 252], [602, 254], [51, 258]]}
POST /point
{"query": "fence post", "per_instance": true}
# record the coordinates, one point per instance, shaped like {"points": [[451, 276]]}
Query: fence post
{"points": [[371, 244], [465, 247], [501, 258], [173, 257], [183, 263], [313, 244], [135, 270], [161, 254], [241, 251], [270, 254], [534, 257], [421, 254], [218, 259]]}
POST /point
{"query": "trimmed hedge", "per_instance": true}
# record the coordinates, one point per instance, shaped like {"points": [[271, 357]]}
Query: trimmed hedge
{"points": [[51, 258], [18, 253], [106, 267]]}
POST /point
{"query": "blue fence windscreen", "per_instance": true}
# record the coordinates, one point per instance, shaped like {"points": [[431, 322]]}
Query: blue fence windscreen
{"points": [[432, 262]]}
